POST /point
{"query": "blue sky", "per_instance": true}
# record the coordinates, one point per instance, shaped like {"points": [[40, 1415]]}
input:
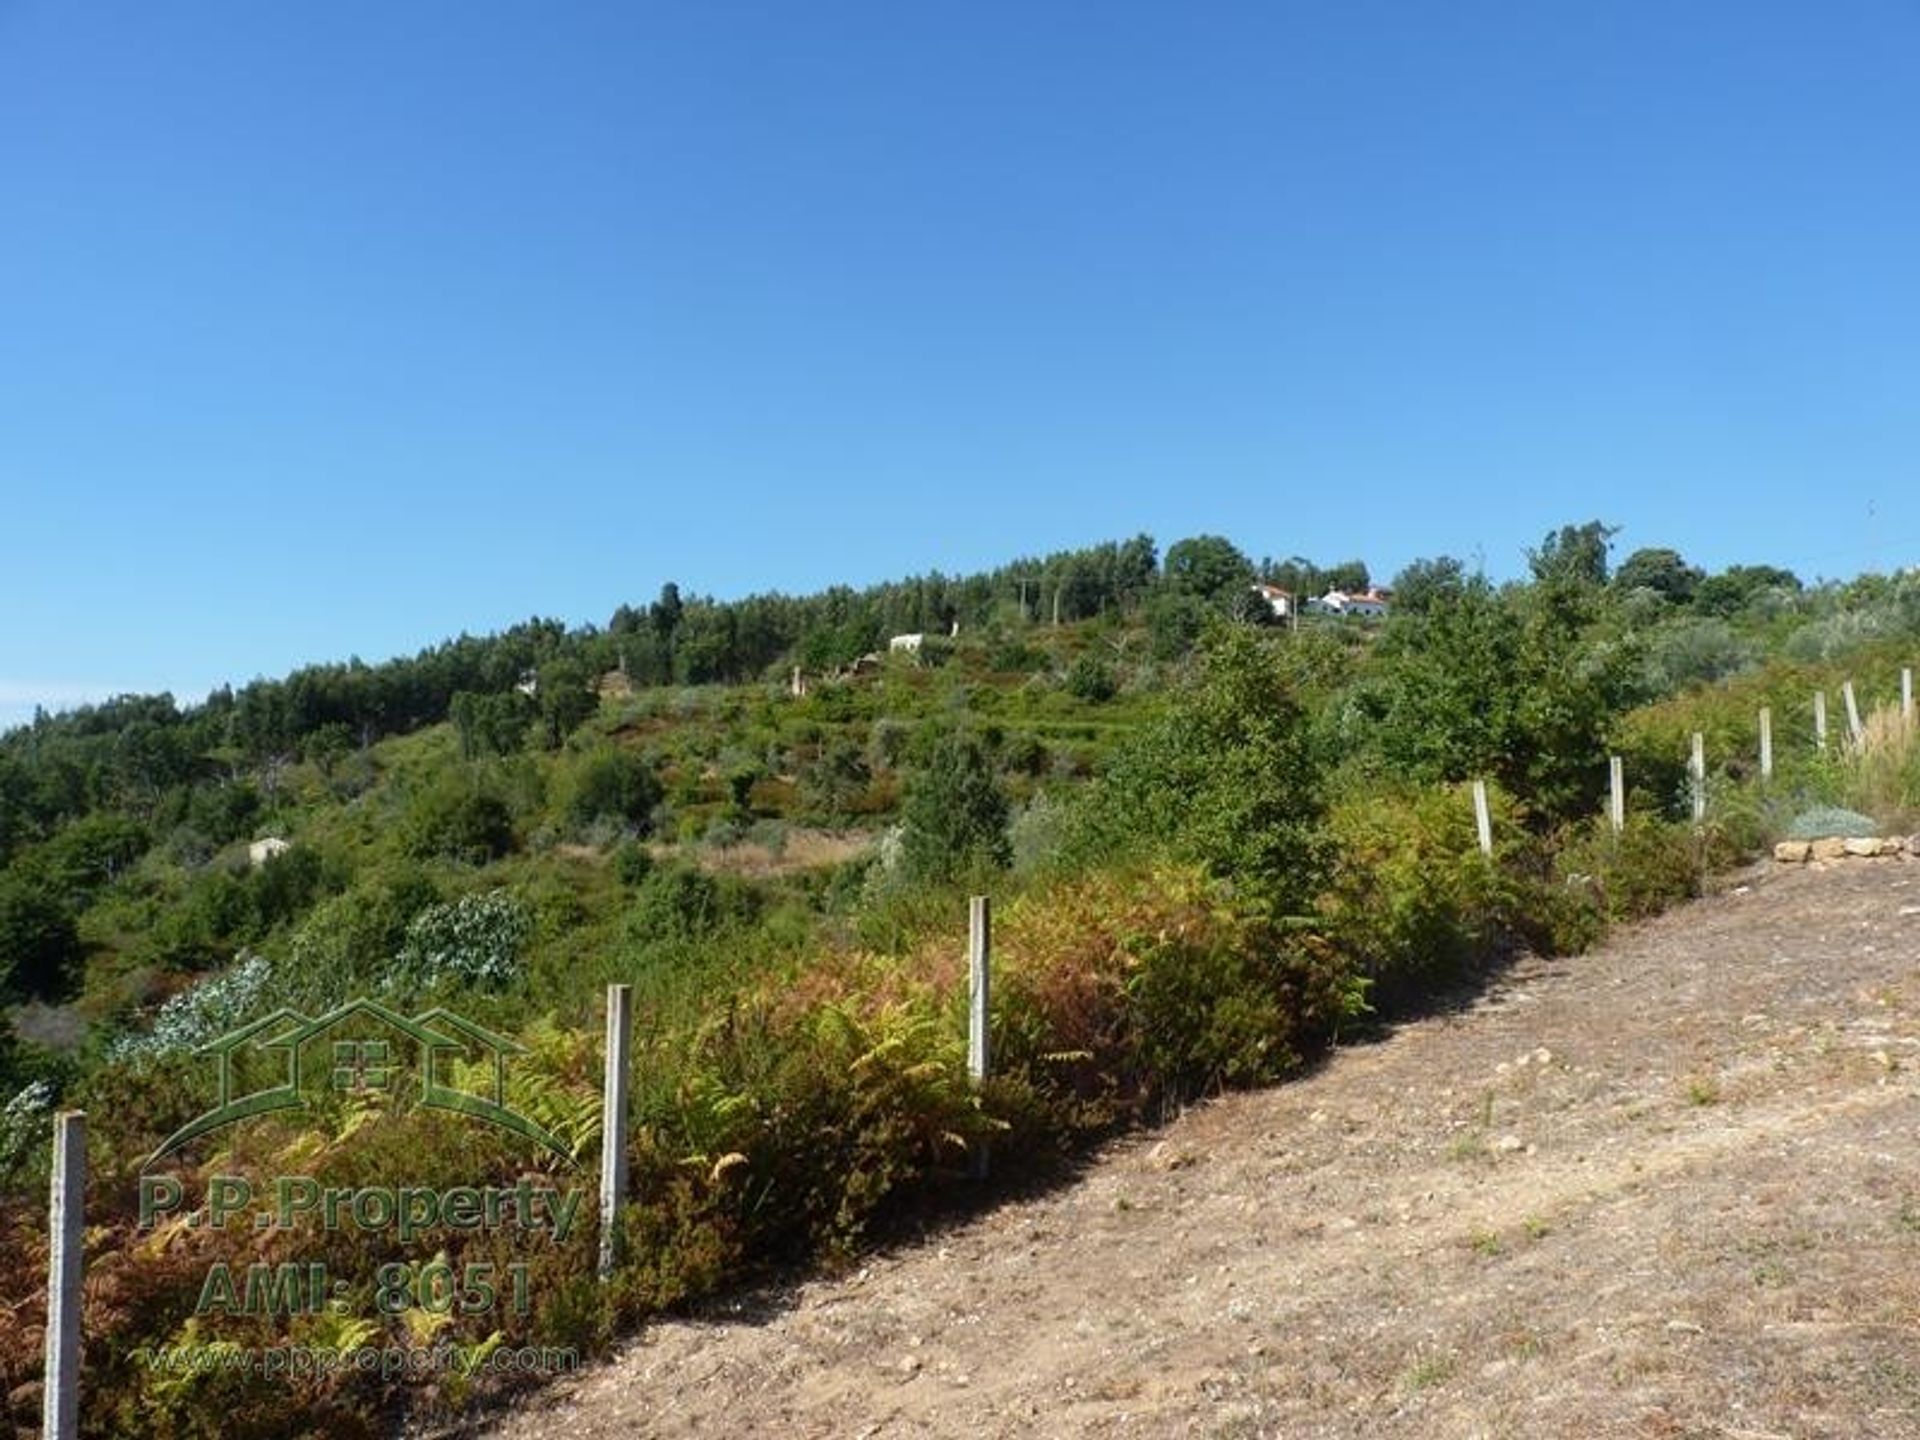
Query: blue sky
{"points": [[337, 329]]}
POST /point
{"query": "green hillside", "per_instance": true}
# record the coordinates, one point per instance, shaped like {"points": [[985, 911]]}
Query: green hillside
{"points": [[1216, 840]]}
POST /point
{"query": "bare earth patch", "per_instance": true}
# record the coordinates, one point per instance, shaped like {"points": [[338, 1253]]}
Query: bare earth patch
{"points": [[1668, 1189]]}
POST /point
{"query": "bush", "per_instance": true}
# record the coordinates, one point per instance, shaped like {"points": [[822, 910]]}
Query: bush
{"points": [[1226, 778], [1091, 679], [1412, 900], [40, 951], [954, 817], [459, 822], [679, 903], [614, 784], [475, 940]]}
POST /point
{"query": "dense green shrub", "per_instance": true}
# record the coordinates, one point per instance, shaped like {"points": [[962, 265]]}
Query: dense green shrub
{"points": [[1226, 777], [1411, 898], [613, 784], [954, 818], [39, 945], [459, 821]]}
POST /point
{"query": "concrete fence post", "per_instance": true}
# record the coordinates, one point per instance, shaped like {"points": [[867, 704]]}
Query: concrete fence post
{"points": [[1766, 743], [613, 1123], [1697, 776], [1482, 818], [60, 1404], [979, 1006], [1616, 793]]}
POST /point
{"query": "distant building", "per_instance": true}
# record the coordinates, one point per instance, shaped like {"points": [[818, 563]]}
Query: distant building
{"points": [[1369, 604], [270, 848]]}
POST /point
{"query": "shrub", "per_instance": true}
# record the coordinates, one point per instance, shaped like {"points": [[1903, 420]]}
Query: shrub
{"points": [[475, 940], [1226, 778], [40, 950], [613, 784], [1412, 899], [459, 822], [680, 902], [954, 819], [1091, 679]]}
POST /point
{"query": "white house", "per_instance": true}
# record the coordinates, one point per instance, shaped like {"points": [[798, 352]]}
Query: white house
{"points": [[1367, 604]]}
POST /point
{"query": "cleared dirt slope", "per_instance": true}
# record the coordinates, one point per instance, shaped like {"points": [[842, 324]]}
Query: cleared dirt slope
{"points": [[1671, 1188]]}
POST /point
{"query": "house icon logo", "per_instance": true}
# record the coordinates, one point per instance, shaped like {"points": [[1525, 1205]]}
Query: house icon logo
{"points": [[362, 1049]]}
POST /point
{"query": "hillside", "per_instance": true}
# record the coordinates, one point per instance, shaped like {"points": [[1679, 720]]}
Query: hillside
{"points": [[1668, 1188], [1216, 845]]}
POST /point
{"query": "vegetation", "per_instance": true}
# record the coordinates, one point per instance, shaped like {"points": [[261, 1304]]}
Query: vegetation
{"points": [[1216, 842]]}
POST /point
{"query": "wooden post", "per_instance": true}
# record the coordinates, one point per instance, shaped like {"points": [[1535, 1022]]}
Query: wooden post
{"points": [[1766, 743], [1906, 692], [1617, 796], [60, 1404], [979, 1006], [1854, 729], [613, 1124], [1697, 774], [1482, 818], [1820, 720]]}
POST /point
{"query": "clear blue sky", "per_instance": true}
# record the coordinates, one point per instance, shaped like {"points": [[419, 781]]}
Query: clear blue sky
{"points": [[333, 329]]}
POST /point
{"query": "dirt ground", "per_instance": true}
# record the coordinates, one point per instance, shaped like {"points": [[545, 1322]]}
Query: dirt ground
{"points": [[1671, 1188]]}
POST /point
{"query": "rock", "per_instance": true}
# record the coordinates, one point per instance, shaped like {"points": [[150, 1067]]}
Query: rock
{"points": [[1507, 1144], [1831, 847], [1892, 845], [1863, 847], [1792, 852], [1913, 844]]}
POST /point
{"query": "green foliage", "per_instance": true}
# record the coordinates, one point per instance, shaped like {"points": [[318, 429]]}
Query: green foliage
{"points": [[678, 903], [1820, 821], [1660, 570], [1091, 679], [1426, 583], [565, 695], [1513, 688], [1574, 554], [1226, 778], [834, 784], [615, 785], [1206, 567], [632, 863], [955, 815], [474, 941], [40, 950], [490, 724], [458, 819], [1411, 899]]}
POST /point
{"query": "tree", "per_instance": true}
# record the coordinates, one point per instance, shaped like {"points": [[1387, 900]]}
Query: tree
{"points": [[1227, 778], [1206, 566], [1507, 686], [612, 784], [1574, 554], [566, 698], [1425, 583], [1660, 570], [954, 817], [1350, 576], [39, 945], [1729, 592]]}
